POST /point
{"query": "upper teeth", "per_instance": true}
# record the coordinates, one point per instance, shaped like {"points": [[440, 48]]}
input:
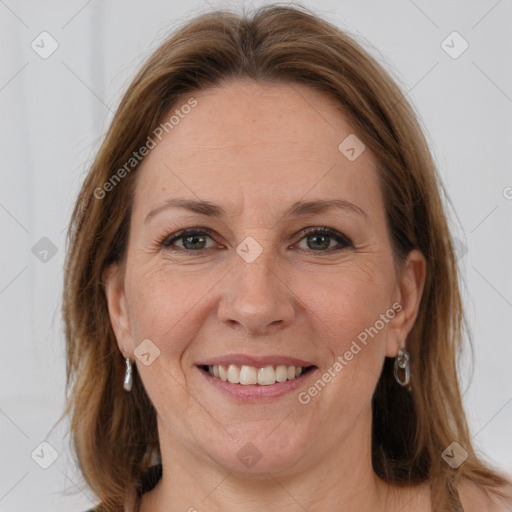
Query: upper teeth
{"points": [[246, 375]]}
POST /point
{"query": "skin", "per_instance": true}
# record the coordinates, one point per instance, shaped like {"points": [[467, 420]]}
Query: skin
{"points": [[254, 150]]}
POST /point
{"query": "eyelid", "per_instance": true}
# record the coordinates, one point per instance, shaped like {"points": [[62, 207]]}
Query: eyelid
{"points": [[177, 235], [331, 232], [340, 238]]}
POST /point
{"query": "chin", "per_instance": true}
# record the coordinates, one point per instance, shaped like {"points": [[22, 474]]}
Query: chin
{"points": [[260, 453]]}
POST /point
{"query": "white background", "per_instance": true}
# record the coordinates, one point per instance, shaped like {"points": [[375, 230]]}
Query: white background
{"points": [[54, 112]]}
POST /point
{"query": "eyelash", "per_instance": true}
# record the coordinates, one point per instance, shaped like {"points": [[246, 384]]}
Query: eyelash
{"points": [[167, 241]]}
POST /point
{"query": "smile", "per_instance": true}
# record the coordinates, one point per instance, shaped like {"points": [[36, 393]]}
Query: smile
{"points": [[250, 375]]}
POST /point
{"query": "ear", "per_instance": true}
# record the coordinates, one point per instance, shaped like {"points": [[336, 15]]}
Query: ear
{"points": [[118, 308], [409, 289]]}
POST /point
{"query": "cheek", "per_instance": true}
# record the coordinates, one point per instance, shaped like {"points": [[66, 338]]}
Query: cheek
{"points": [[347, 316], [153, 310], [348, 301], [165, 304], [347, 309]]}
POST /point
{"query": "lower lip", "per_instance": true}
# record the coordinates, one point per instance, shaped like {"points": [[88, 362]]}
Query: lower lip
{"points": [[256, 392]]}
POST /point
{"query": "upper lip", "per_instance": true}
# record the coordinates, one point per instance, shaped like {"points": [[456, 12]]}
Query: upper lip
{"points": [[257, 361]]}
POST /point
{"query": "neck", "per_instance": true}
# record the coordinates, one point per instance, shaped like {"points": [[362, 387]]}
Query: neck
{"points": [[342, 480]]}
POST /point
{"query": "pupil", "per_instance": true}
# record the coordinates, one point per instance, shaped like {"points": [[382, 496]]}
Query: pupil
{"points": [[324, 241], [192, 239]]}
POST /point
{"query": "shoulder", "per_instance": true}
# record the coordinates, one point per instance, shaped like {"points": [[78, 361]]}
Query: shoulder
{"points": [[475, 499]]}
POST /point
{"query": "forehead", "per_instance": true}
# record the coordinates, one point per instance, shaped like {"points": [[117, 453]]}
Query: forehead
{"points": [[251, 143]]}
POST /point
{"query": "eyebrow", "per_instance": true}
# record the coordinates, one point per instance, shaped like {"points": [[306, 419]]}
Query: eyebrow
{"points": [[298, 208]]}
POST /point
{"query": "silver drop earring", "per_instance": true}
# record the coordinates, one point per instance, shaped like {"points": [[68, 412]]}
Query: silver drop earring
{"points": [[402, 362], [128, 380]]}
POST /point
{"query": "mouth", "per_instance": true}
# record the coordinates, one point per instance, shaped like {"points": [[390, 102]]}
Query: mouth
{"points": [[251, 378], [246, 375]]}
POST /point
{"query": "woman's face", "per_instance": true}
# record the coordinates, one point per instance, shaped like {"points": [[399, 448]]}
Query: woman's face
{"points": [[259, 284]]}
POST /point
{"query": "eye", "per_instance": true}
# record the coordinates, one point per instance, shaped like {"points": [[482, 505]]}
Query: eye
{"points": [[319, 240], [192, 239]]}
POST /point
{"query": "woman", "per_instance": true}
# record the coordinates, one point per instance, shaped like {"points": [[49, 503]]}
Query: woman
{"points": [[261, 299]]}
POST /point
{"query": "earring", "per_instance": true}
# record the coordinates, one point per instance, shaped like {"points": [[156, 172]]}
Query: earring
{"points": [[402, 362], [128, 380]]}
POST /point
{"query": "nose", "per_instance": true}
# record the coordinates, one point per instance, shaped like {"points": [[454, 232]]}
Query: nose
{"points": [[256, 298]]}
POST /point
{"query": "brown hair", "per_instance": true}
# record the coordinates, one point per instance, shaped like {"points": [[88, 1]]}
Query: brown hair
{"points": [[114, 432]]}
